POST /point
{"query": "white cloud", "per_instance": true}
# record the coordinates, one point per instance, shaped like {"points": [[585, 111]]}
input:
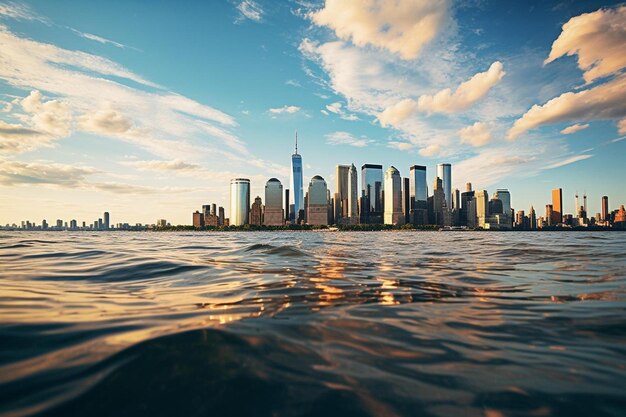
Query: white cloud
{"points": [[107, 121], [598, 39], [169, 165], [249, 9], [345, 138], [468, 93], [402, 26], [293, 83], [52, 117], [606, 101], [478, 134], [285, 109], [98, 39], [621, 126], [402, 146], [574, 128], [445, 101], [337, 108], [569, 160], [19, 11], [430, 150], [164, 123]]}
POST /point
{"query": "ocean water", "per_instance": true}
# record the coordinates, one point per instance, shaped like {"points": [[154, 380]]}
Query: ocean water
{"points": [[313, 324]]}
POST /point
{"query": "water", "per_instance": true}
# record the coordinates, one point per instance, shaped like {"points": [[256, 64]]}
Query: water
{"points": [[313, 324]]}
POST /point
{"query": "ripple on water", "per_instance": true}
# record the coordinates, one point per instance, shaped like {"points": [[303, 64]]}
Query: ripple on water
{"points": [[309, 324]]}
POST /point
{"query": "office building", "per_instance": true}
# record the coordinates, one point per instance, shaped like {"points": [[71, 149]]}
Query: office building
{"points": [[221, 221], [297, 196], [605, 209], [482, 207], [406, 200], [557, 206], [287, 205], [256, 212], [444, 171], [456, 199], [372, 187], [393, 197], [532, 219], [317, 202], [341, 193], [418, 195], [239, 201], [437, 202], [353, 196], [198, 219], [274, 215], [549, 220], [107, 221]]}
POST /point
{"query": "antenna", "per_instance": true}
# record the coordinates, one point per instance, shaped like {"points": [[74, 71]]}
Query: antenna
{"points": [[296, 142]]}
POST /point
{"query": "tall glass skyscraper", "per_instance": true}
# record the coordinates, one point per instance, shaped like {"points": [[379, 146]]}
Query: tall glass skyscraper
{"points": [[296, 195], [417, 180], [239, 201], [372, 192], [444, 171]]}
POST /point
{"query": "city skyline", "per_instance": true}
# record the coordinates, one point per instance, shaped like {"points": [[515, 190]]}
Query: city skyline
{"points": [[99, 109]]}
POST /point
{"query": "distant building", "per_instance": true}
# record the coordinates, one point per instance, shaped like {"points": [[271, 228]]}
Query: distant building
{"points": [[372, 187], [317, 202], [296, 186], [239, 201], [438, 203], [605, 209], [620, 217], [161, 223], [107, 221], [406, 200], [550, 217], [532, 219], [220, 217], [353, 196], [482, 207], [256, 212], [274, 214], [393, 197], [444, 171], [342, 173], [557, 206], [198, 219], [418, 195]]}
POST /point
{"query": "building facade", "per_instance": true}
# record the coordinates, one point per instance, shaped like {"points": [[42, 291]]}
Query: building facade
{"points": [[239, 201], [393, 197], [273, 215], [317, 202], [372, 188], [256, 212], [557, 207], [296, 194], [444, 171]]}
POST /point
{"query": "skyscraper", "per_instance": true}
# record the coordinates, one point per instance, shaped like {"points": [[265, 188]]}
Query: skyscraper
{"points": [[406, 200], [239, 201], [353, 195], [505, 196], [297, 196], [256, 212], [372, 191], [444, 171], [107, 221], [557, 206], [273, 203], [418, 191], [341, 194], [317, 210], [605, 208], [482, 207], [438, 200], [532, 218], [393, 197]]}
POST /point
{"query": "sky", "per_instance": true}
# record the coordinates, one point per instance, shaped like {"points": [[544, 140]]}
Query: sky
{"points": [[147, 109]]}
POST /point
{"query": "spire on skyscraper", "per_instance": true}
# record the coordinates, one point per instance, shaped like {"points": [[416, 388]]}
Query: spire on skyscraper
{"points": [[296, 143]]}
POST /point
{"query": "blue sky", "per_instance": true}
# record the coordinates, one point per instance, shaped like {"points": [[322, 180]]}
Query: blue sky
{"points": [[146, 109]]}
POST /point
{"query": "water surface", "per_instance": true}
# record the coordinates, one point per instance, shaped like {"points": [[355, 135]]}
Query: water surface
{"points": [[313, 324]]}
